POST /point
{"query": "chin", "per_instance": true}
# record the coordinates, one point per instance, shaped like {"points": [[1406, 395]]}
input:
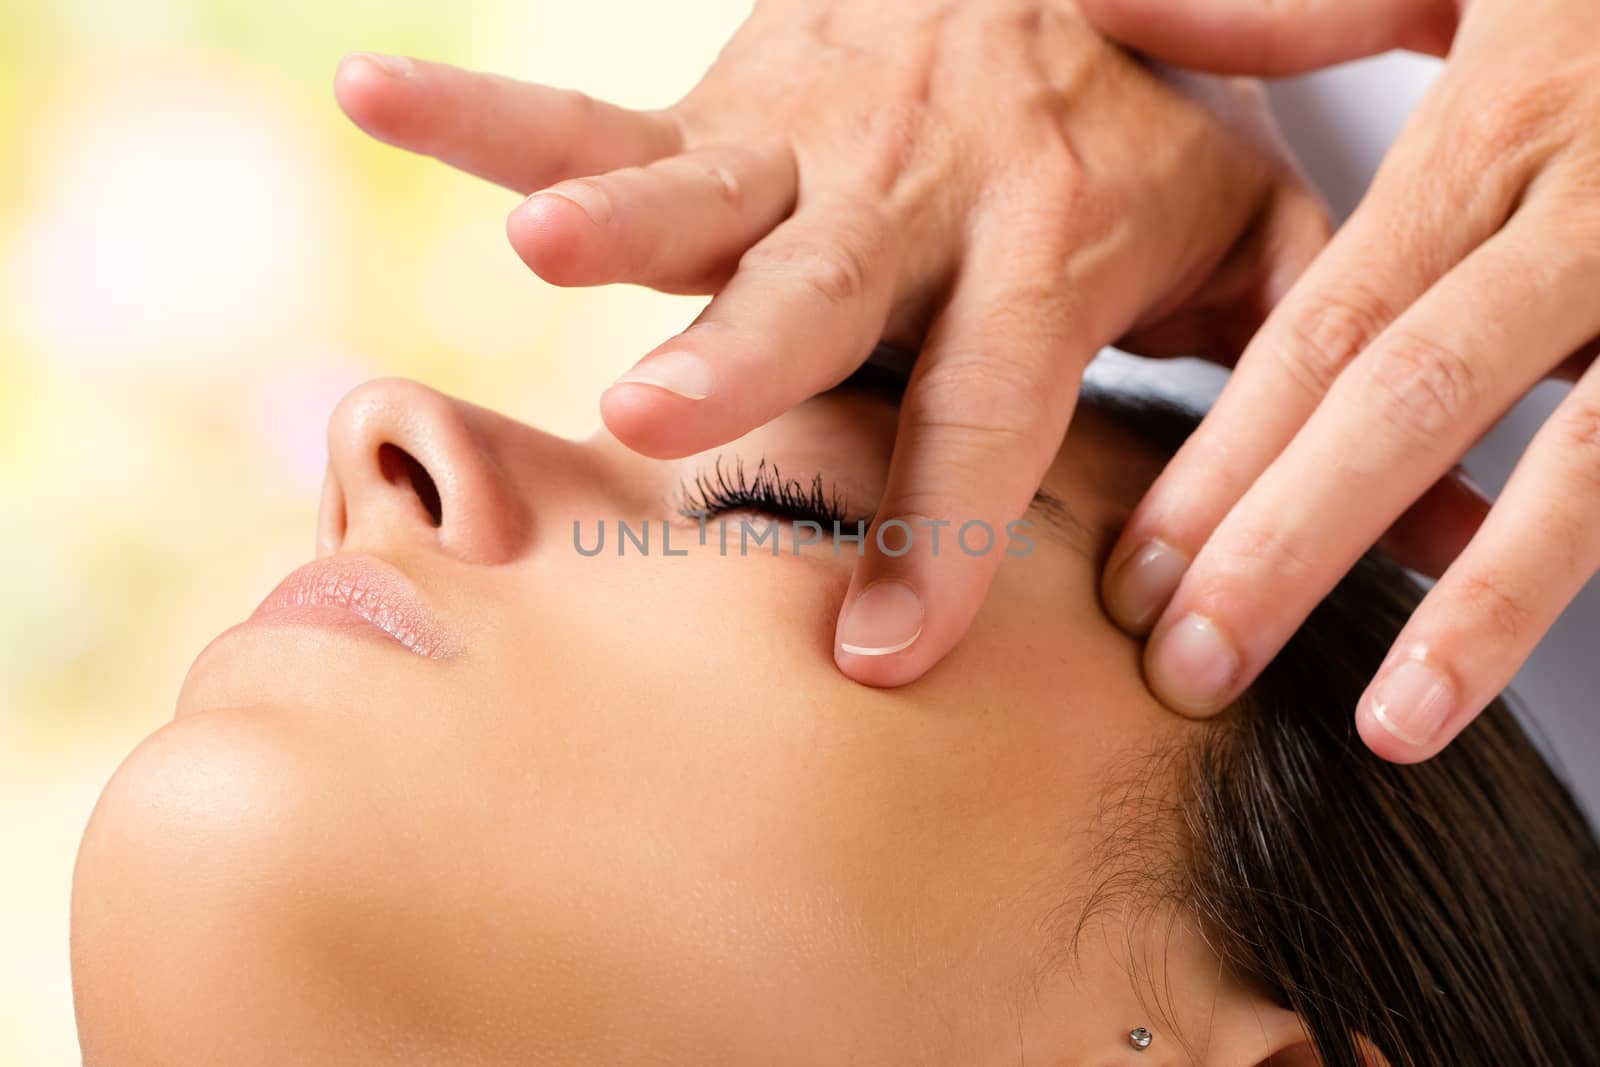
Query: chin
{"points": [[285, 664]]}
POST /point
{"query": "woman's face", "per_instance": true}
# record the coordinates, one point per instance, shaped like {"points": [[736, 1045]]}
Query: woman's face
{"points": [[602, 803]]}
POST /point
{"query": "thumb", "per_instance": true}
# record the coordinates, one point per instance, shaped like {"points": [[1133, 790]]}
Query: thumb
{"points": [[1270, 38]]}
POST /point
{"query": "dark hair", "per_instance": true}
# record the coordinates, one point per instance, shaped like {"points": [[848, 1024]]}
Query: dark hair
{"points": [[1446, 912]]}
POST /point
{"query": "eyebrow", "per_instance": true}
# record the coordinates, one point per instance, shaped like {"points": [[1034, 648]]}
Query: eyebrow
{"points": [[1058, 514], [888, 383]]}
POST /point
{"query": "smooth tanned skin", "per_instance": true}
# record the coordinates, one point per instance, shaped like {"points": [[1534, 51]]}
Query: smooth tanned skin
{"points": [[639, 817]]}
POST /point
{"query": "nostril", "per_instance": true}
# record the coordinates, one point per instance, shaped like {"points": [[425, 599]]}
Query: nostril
{"points": [[400, 467]]}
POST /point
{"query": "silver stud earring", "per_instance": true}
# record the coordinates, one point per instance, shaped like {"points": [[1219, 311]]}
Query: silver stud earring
{"points": [[1140, 1038]]}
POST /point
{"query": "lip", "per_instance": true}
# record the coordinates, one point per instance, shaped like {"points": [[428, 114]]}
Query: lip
{"points": [[341, 591]]}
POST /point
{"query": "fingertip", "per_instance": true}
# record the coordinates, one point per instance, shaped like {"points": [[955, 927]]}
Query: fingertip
{"points": [[1139, 582], [370, 90], [883, 619], [651, 420], [880, 666], [356, 81], [1384, 744], [384, 66], [1192, 665], [554, 236], [1406, 713], [891, 631], [879, 672], [886, 637]]}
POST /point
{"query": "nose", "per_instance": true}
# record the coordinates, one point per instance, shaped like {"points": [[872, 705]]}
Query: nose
{"points": [[407, 464]]}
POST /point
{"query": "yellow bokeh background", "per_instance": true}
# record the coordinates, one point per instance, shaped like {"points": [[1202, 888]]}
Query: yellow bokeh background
{"points": [[198, 256]]}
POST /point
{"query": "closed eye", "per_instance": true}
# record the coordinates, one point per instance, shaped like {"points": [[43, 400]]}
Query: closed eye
{"points": [[765, 491]]}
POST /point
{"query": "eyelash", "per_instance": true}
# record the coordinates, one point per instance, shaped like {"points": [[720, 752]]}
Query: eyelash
{"points": [[717, 492]]}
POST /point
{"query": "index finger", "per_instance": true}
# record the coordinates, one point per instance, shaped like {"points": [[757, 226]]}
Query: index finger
{"points": [[516, 134], [982, 418]]}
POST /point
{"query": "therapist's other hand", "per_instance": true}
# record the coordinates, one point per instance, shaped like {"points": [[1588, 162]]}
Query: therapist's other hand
{"points": [[1470, 272], [991, 180]]}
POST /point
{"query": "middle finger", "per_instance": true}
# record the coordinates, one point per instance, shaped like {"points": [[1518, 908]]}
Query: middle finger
{"points": [[1392, 424], [1349, 296], [802, 311]]}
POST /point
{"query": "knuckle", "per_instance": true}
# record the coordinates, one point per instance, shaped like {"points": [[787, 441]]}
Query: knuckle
{"points": [[1327, 338], [580, 107], [1028, 327], [1077, 51], [1575, 438], [1485, 137], [974, 435], [1082, 218], [575, 113], [724, 183], [992, 406], [1053, 165], [1495, 148], [1561, 532], [1562, 224], [1051, 194], [892, 135], [1238, 562], [837, 272], [1421, 387], [831, 272], [1524, 113], [1490, 600], [837, 275], [717, 174]]}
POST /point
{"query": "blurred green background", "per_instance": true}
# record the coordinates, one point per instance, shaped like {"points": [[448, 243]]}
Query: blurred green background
{"points": [[198, 256]]}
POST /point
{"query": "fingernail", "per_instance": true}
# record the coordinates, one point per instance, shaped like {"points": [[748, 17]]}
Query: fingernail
{"points": [[1194, 664], [1144, 582], [686, 375], [1412, 701], [398, 66], [886, 618], [591, 199]]}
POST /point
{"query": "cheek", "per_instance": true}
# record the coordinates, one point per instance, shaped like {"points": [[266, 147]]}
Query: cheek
{"points": [[669, 775], [1065, 683], [675, 771], [716, 626]]}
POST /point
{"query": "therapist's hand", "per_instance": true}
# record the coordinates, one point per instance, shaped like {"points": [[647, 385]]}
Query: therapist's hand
{"points": [[1470, 272], [989, 179]]}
